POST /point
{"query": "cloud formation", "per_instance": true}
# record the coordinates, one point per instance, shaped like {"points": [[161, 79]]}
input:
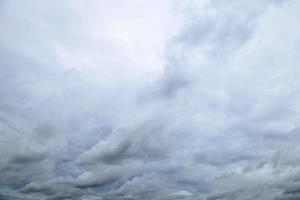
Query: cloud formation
{"points": [[150, 100]]}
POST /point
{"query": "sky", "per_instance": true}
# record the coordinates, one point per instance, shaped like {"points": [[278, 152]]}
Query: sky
{"points": [[151, 100]]}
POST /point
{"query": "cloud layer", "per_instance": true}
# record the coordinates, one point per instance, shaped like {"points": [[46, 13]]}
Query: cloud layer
{"points": [[150, 100]]}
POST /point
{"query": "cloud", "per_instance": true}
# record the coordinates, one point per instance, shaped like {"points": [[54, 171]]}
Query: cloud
{"points": [[143, 142], [148, 186], [90, 179], [27, 157], [149, 100]]}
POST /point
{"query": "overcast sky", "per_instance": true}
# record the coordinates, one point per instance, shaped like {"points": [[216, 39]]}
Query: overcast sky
{"points": [[150, 100]]}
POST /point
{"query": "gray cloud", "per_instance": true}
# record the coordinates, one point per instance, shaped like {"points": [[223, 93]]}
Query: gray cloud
{"points": [[144, 142], [85, 113]]}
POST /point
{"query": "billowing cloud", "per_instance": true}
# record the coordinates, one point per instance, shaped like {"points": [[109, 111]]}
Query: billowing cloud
{"points": [[150, 100]]}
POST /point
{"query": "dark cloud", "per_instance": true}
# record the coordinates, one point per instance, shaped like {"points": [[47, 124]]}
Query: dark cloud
{"points": [[28, 157], [38, 188]]}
